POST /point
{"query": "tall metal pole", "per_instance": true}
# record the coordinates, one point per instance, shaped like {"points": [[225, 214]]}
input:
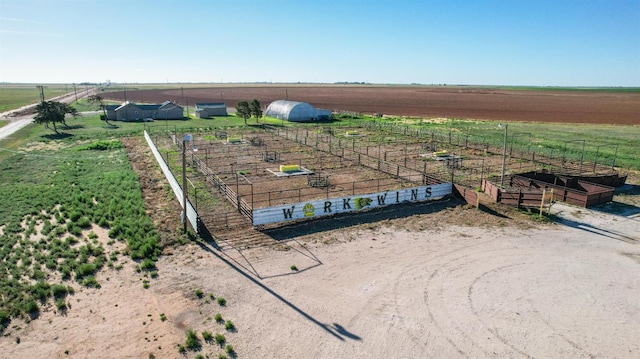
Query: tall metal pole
{"points": [[504, 154], [581, 157], [184, 185], [41, 88]]}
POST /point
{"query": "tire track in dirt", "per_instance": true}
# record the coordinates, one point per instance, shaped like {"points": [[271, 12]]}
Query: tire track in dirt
{"points": [[493, 331], [418, 335]]}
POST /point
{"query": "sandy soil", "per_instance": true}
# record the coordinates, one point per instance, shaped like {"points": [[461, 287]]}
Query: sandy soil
{"points": [[386, 289]]}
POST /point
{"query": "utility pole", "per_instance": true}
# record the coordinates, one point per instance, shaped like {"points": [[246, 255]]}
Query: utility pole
{"points": [[187, 137], [184, 185], [75, 92], [504, 153], [41, 88]]}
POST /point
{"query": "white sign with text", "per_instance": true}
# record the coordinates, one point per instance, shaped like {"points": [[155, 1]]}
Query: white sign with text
{"points": [[326, 207]]}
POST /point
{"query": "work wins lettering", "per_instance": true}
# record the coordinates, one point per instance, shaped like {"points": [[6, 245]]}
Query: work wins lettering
{"points": [[357, 203]]}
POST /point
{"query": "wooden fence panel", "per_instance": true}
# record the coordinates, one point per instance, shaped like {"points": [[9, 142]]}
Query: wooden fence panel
{"points": [[469, 195]]}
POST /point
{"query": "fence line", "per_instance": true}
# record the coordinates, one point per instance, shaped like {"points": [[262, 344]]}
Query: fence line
{"points": [[191, 214]]}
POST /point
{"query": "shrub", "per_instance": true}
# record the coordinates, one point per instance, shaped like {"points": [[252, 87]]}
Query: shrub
{"points": [[84, 222], [91, 281], [192, 342], [294, 268], [102, 222], [163, 317], [61, 304], [199, 356], [229, 350], [85, 269], [5, 319], [207, 336], [181, 349], [31, 307], [66, 273], [40, 290], [51, 264], [221, 301], [74, 229], [219, 339], [59, 231], [218, 318], [102, 145], [58, 290], [228, 325], [199, 293], [46, 229], [147, 264]]}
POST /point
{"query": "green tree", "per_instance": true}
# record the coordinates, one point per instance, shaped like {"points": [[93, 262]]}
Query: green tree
{"points": [[256, 110], [97, 99], [243, 110], [53, 112]]}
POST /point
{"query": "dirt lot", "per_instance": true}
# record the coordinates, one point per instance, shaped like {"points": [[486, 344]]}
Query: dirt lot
{"points": [[437, 280], [452, 102]]}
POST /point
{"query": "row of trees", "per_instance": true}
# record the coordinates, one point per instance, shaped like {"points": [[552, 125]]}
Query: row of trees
{"points": [[246, 110]]}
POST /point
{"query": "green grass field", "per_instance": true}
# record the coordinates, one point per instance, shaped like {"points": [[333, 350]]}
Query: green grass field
{"points": [[601, 142], [16, 96]]}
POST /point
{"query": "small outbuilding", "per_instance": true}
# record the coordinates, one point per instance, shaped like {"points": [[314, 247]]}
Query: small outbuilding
{"points": [[296, 111], [210, 109]]}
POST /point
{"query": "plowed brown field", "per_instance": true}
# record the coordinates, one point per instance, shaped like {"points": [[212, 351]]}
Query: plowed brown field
{"points": [[606, 107]]}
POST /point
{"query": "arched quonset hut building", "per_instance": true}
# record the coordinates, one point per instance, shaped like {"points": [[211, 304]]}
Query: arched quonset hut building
{"points": [[296, 111]]}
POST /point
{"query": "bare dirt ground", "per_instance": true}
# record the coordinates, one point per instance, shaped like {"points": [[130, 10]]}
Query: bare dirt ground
{"points": [[451, 102], [437, 280]]}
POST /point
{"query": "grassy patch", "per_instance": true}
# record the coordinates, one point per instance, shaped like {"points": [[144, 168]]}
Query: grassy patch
{"points": [[192, 342], [219, 339], [228, 325], [17, 95], [199, 293], [207, 336], [66, 185]]}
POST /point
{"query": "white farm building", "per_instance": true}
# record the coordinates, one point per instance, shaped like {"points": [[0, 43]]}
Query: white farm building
{"points": [[296, 111], [210, 109]]}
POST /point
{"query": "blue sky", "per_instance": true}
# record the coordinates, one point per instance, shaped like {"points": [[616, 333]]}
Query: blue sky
{"points": [[501, 42]]}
